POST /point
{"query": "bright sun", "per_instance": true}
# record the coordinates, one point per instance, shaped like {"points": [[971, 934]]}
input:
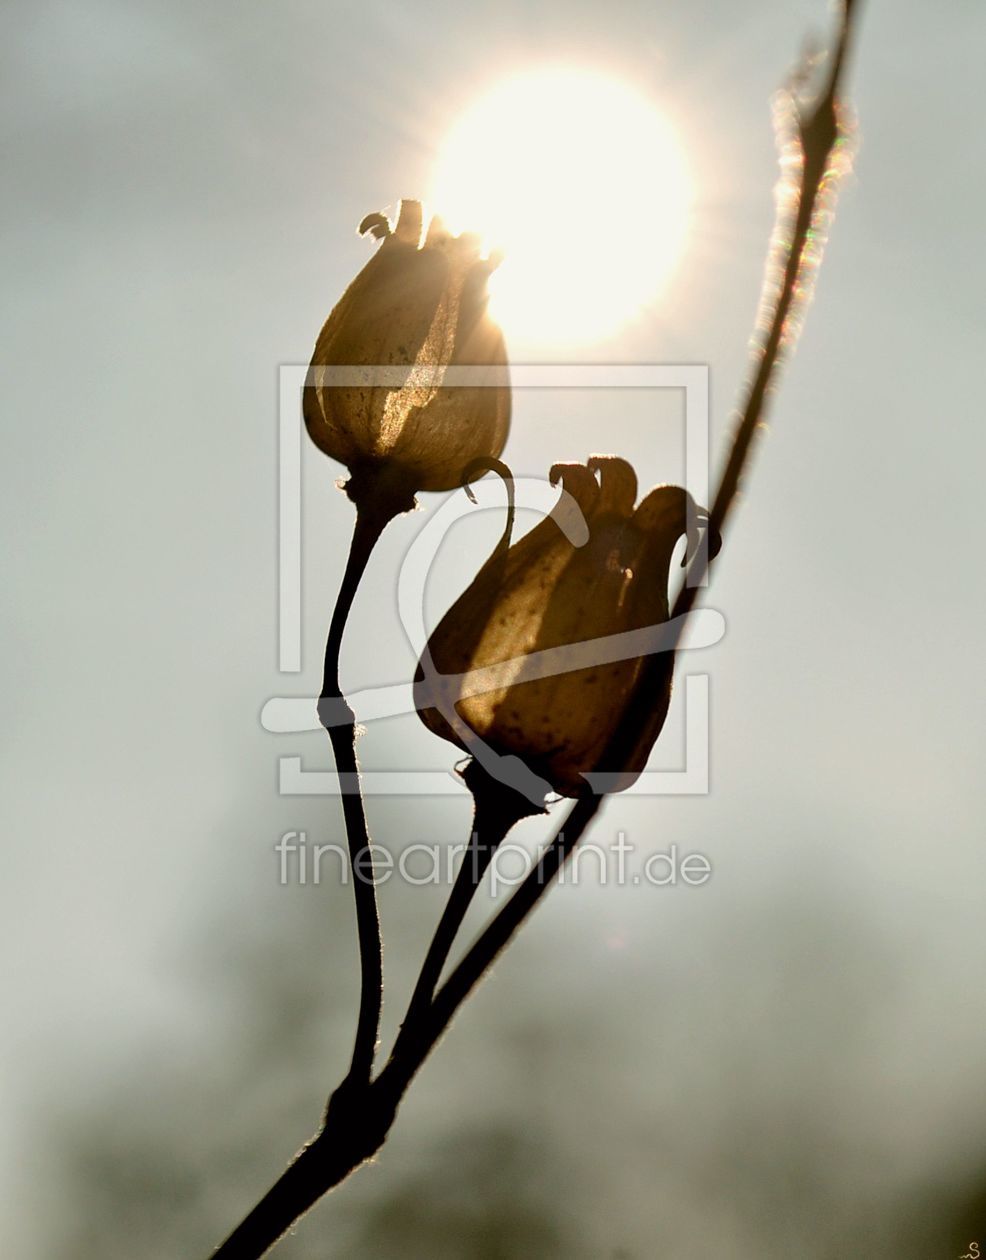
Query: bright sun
{"points": [[580, 182]]}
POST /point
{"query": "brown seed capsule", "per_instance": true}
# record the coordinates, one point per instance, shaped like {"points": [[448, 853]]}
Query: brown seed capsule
{"points": [[418, 309], [525, 661]]}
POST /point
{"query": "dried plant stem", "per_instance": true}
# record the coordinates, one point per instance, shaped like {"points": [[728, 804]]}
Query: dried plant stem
{"points": [[497, 808], [411, 1053], [354, 1125], [379, 496], [370, 523], [322, 1164], [819, 133]]}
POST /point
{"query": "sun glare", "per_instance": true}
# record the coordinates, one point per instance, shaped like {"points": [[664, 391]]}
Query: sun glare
{"points": [[580, 182]]}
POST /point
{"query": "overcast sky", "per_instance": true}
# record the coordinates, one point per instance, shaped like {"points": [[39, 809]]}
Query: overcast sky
{"points": [[182, 184]]}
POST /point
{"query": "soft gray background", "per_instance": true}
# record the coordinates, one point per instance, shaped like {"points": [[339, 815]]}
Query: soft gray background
{"points": [[788, 1061]]}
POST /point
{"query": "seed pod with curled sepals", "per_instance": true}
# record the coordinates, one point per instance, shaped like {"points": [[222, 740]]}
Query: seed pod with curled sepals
{"points": [[420, 308], [534, 619]]}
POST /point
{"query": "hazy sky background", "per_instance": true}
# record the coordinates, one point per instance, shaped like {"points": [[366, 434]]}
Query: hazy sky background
{"points": [[182, 184]]}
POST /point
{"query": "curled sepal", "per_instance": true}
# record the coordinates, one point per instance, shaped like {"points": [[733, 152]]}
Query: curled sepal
{"points": [[617, 484], [487, 463], [376, 225]]}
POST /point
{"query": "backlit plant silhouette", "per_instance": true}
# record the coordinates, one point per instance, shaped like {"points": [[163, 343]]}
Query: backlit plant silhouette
{"points": [[511, 675]]}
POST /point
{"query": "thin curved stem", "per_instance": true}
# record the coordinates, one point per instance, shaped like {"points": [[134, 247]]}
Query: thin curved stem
{"points": [[340, 724], [419, 1038], [497, 809], [819, 133]]}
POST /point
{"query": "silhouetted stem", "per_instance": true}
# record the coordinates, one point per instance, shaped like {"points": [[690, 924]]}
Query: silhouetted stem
{"points": [[411, 1051], [497, 808], [357, 1121], [819, 132], [374, 511]]}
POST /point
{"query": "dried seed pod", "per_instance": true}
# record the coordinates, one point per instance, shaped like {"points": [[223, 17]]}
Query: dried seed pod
{"points": [[516, 661], [415, 311]]}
